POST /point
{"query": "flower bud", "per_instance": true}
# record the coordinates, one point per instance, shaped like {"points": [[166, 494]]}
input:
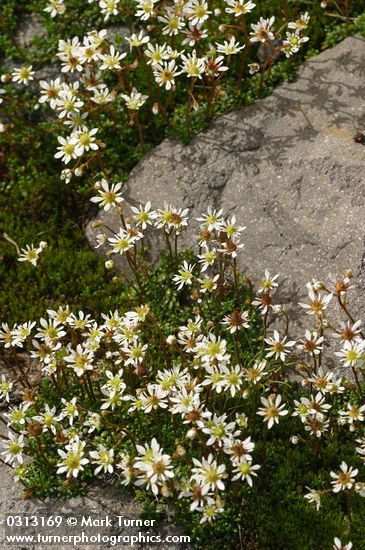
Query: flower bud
{"points": [[180, 451], [109, 264], [191, 434], [171, 340], [165, 491], [155, 109]]}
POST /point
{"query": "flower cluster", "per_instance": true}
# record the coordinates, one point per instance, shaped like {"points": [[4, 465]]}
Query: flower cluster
{"points": [[220, 384], [179, 47]]}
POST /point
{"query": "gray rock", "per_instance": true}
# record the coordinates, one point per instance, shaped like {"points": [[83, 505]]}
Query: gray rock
{"points": [[29, 28], [101, 501], [287, 167]]}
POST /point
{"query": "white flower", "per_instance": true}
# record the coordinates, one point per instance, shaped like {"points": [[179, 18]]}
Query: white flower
{"points": [[209, 512], [135, 40], [184, 276], [115, 383], [108, 8], [50, 92], [153, 466], [156, 53], [93, 422], [17, 415], [240, 450], [352, 353], [69, 410], [68, 149], [353, 414], [80, 322], [5, 388], [208, 284], [244, 470], [239, 7], [109, 195], [184, 402], [68, 104], [322, 381], [143, 215], [212, 220], [349, 331], [55, 7], [51, 331], [339, 546], [145, 9], [213, 67], [207, 258], [21, 332], [255, 373], [272, 410], [122, 242], [345, 479], [268, 283], [192, 65], [212, 348], [194, 35], [277, 347], [85, 140], [111, 60], [220, 433], [31, 253], [214, 377], [23, 74], [229, 48], [316, 424], [262, 31], [134, 100], [292, 42], [102, 96], [153, 398], [318, 304], [312, 344], [166, 73], [135, 354], [313, 497], [73, 461], [13, 449], [104, 458], [196, 11], [236, 321], [66, 175], [208, 474], [80, 360], [253, 68], [233, 379], [301, 23], [7, 335]]}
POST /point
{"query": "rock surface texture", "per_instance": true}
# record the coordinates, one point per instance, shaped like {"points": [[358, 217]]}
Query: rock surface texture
{"points": [[99, 503], [287, 167]]}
